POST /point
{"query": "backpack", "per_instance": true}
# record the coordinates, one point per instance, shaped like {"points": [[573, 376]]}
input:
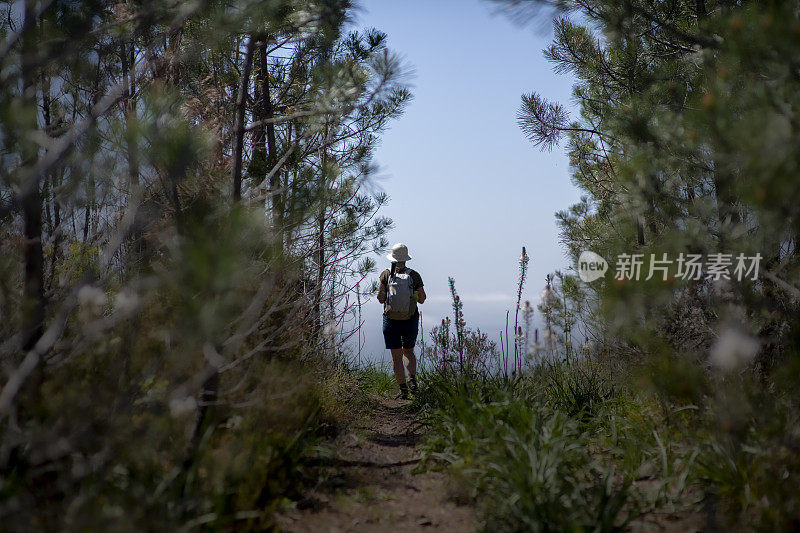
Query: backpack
{"points": [[400, 296]]}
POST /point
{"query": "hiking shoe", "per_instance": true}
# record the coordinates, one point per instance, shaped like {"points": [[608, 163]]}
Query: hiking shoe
{"points": [[412, 381], [403, 392]]}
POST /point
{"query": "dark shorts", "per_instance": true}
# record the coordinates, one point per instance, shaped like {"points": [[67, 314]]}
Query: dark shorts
{"points": [[400, 333]]}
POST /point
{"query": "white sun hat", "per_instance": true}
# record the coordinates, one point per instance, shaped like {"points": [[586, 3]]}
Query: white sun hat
{"points": [[399, 253]]}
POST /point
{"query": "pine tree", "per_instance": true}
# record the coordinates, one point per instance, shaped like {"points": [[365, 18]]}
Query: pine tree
{"points": [[169, 171], [671, 96]]}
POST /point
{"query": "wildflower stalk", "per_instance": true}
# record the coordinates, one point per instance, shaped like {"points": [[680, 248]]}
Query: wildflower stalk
{"points": [[547, 306], [567, 327], [502, 364], [506, 350], [459, 322], [358, 300], [527, 314], [523, 271]]}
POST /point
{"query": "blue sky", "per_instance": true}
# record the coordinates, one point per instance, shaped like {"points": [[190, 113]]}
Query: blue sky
{"points": [[467, 189]]}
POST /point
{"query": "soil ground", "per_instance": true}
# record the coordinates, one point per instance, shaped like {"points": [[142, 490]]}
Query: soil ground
{"points": [[371, 481]]}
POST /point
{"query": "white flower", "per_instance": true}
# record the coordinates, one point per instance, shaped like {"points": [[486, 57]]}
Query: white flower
{"points": [[126, 302], [234, 422], [548, 297], [91, 296], [331, 329], [733, 349], [181, 406]]}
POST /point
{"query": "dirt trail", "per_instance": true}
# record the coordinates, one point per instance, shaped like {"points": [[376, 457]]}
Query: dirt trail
{"points": [[371, 485]]}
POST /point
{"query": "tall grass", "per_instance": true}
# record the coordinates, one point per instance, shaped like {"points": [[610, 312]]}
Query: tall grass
{"points": [[576, 388], [528, 465]]}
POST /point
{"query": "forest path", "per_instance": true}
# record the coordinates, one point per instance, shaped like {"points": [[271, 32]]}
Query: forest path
{"points": [[370, 483]]}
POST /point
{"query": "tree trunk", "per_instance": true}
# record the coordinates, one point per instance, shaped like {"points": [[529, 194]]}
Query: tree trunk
{"points": [[241, 102], [321, 240], [34, 301], [49, 199], [88, 208], [128, 57], [265, 156], [320, 271], [286, 231], [276, 199], [258, 163], [639, 231]]}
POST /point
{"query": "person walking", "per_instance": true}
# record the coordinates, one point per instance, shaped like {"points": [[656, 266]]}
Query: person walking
{"points": [[400, 290]]}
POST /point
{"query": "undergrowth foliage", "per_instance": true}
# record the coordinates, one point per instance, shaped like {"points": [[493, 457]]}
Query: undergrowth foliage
{"points": [[529, 464], [588, 442], [575, 388], [184, 216]]}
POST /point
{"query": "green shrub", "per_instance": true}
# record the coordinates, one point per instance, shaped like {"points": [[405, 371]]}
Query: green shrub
{"points": [[748, 457], [529, 465], [578, 388]]}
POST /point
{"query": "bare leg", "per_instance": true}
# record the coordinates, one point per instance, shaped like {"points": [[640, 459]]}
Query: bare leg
{"points": [[410, 360], [397, 361]]}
